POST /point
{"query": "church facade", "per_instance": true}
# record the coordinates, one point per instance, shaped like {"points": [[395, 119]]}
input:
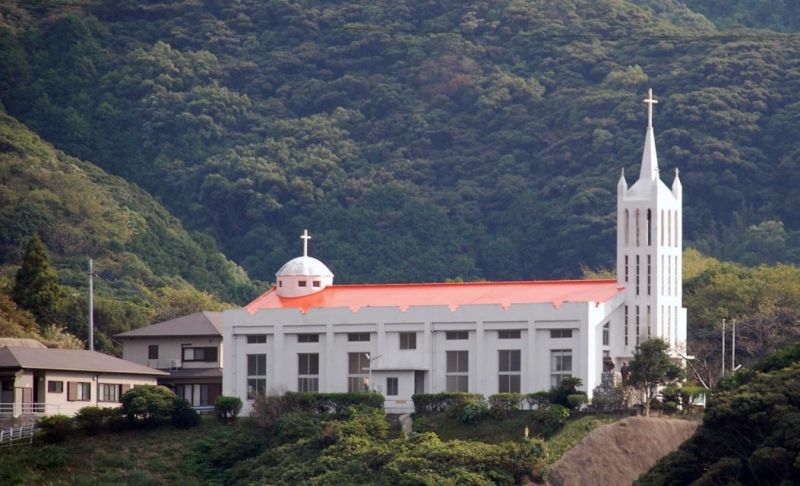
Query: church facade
{"points": [[309, 334]]}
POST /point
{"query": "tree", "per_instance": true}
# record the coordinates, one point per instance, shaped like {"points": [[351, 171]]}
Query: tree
{"points": [[36, 284], [651, 368]]}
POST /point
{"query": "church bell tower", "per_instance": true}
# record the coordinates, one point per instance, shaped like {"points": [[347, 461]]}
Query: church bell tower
{"points": [[649, 252]]}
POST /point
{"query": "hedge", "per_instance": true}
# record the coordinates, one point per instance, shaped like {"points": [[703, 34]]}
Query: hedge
{"points": [[503, 403], [441, 402], [333, 403]]}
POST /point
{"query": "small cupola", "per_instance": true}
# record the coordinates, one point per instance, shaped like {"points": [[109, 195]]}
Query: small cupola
{"points": [[303, 275]]}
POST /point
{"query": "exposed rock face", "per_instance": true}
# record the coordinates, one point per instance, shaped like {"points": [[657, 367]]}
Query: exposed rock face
{"points": [[617, 454]]}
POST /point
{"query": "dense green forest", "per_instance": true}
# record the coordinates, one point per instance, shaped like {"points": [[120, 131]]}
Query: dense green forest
{"points": [[418, 140]]}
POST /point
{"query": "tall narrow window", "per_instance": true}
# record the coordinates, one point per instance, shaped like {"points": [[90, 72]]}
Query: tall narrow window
{"points": [[626, 268], [357, 372], [677, 229], [457, 375], [649, 228], [308, 372], [627, 227], [669, 228], [669, 323], [663, 227], [626, 325], [606, 333], [648, 274], [663, 272], [509, 370], [256, 375], [152, 351], [638, 227], [637, 274], [560, 366], [649, 322], [638, 323]]}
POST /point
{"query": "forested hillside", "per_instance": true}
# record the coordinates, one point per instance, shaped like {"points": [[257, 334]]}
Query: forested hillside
{"points": [[417, 140]]}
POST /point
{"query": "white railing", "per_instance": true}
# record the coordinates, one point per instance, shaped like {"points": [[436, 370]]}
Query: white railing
{"points": [[17, 409], [22, 435]]}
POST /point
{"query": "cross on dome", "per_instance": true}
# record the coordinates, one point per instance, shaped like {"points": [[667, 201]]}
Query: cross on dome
{"points": [[650, 102], [305, 237]]}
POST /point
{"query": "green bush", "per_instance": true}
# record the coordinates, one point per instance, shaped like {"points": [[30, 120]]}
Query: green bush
{"points": [[267, 410], [538, 399], [442, 402], [502, 404], [568, 386], [472, 412], [294, 426], [51, 458], [183, 416], [56, 428], [421, 424], [547, 421], [227, 408], [575, 400], [669, 408], [148, 405], [92, 420]]}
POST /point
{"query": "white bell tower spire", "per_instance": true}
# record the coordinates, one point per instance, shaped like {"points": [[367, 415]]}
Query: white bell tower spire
{"points": [[649, 252]]}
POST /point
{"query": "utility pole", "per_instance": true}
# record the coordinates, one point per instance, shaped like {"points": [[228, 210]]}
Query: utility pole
{"points": [[733, 346], [91, 307], [723, 348]]}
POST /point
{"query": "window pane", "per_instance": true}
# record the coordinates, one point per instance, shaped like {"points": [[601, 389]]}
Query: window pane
{"points": [[391, 386], [514, 384], [504, 360], [515, 360], [452, 361]]}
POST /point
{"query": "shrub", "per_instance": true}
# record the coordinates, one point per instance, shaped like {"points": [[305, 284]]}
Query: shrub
{"points": [[294, 426], [443, 402], [51, 458], [568, 386], [421, 424], [92, 420], [227, 408], [502, 404], [547, 421], [669, 408], [183, 415], [56, 428], [148, 405], [538, 399], [576, 400], [472, 412]]}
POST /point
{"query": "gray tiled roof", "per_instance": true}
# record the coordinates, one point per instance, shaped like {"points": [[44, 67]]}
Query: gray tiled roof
{"points": [[204, 323], [70, 360]]}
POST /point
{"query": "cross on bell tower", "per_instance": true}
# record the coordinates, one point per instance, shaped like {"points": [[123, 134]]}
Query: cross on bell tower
{"points": [[305, 237], [650, 102]]}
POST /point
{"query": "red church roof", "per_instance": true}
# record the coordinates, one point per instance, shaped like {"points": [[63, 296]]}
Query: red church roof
{"points": [[451, 294]]}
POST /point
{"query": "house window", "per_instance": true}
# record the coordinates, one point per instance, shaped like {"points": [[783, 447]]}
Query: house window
{"points": [[79, 391], [560, 365], [357, 372], [196, 394], [152, 351], [408, 340], [513, 334], [315, 283], [308, 372], [606, 333], [256, 375], [391, 387], [199, 354], [256, 338], [509, 370], [456, 335], [55, 386], [560, 333], [457, 371], [108, 393], [308, 338], [358, 336], [301, 283]]}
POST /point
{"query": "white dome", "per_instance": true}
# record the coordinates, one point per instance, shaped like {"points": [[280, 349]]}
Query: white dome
{"points": [[304, 266]]}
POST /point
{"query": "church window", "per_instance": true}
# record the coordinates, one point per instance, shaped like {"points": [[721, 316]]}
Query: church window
{"points": [[280, 283], [315, 283], [669, 228], [256, 338], [301, 283], [560, 333], [256, 375], [663, 221], [408, 340], [648, 274], [626, 325], [627, 227], [456, 335], [358, 365], [358, 336], [510, 334], [457, 371], [626, 268], [308, 338], [648, 322], [638, 323], [637, 274], [649, 228], [606, 333], [392, 386], [510, 364], [663, 272], [677, 229], [669, 324], [638, 229], [308, 372], [560, 366]]}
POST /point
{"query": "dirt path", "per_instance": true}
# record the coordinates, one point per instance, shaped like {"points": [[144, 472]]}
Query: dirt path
{"points": [[616, 454]]}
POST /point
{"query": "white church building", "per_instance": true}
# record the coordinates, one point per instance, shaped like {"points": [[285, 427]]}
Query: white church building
{"points": [[308, 334]]}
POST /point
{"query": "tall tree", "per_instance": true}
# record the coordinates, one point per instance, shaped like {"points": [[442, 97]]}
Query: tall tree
{"points": [[651, 368], [36, 284]]}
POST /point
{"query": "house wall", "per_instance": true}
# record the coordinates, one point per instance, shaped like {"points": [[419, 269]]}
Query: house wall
{"points": [[431, 323], [170, 351]]}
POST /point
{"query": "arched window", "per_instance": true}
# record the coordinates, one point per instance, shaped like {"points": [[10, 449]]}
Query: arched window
{"points": [[627, 226], [663, 227], [675, 243], [638, 228], [649, 228], [669, 228]]}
